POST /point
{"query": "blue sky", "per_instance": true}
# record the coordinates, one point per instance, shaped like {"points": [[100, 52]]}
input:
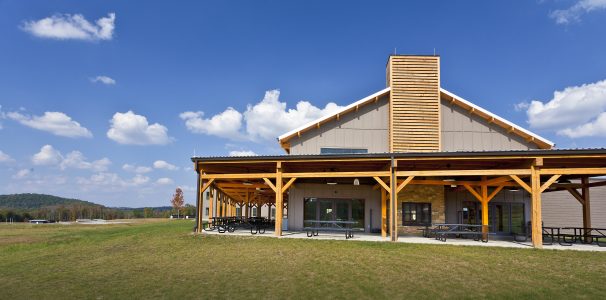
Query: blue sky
{"points": [[107, 100]]}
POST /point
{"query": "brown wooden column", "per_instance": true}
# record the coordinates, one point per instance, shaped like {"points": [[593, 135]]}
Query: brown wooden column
{"points": [[279, 200], [586, 203], [211, 198], [484, 194], [537, 218], [383, 213], [199, 205], [246, 213], [393, 203]]}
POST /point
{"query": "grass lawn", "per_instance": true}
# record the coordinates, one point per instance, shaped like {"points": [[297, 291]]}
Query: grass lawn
{"points": [[163, 260]]}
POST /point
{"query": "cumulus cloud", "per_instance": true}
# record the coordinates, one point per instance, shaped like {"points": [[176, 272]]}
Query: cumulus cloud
{"points": [[576, 111], [103, 79], [136, 169], [160, 164], [76, 159], [105, 179], [225, 124], [23, 173], [47, 156], [242, 153], [131, 129], [263, 121], [574, 13], [164, 181], [75, 27], [5, 158], [54, 122]]}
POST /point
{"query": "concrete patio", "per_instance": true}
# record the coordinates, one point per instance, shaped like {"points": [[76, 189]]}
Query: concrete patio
{"points": [[366, 237]]}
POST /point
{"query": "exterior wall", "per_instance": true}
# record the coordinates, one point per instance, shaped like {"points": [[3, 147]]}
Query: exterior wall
{"points": [[561, 209], [462, 131], [456, 197], [372, 201], [422, 193], [365, 129]]}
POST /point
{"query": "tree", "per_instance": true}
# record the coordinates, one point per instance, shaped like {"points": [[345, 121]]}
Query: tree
{"points": [[177, 200], [148, 212]]}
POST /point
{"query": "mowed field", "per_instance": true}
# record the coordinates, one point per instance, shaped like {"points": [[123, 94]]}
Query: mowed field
{"points": [[162, 259]]}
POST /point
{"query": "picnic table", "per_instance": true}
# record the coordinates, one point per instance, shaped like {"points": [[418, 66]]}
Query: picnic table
{"points": [[554, 233], [313, 227], [442, 231], [230, 224], [586, 235]]}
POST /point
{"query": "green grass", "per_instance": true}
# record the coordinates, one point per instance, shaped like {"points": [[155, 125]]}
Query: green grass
{"points": [[163, 260]]}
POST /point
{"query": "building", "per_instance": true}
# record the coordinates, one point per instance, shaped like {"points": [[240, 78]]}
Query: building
{"points": [[406, 156]]}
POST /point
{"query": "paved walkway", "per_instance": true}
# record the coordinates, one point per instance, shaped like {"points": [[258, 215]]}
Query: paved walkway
{"points": [[412, 239]]}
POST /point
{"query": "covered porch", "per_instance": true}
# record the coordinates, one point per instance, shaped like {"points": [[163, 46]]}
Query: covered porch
{"points": [[242, 183]]}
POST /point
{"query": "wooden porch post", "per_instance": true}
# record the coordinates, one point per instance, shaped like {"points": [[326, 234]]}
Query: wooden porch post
{"points": [[199, 205], [247, 204], [279, 198], [383, 213], [484, 201], [586, 203], [537, 220]]}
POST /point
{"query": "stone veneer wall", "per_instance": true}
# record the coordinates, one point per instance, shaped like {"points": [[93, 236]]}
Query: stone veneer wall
{"points": [[422, 193]]}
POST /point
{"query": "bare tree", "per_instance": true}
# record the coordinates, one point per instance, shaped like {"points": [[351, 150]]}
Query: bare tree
{"points": [[177, 201]]}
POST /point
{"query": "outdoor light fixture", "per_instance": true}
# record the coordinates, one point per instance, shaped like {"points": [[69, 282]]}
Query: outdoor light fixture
{"points": [[356, 181], [331, 182], [247, 183], [452, 185]]}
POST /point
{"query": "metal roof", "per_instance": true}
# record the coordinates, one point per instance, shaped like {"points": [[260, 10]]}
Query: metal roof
{"points": [[530, 153]]}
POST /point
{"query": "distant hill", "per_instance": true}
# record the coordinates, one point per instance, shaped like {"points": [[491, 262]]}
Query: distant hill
{"points": [[36, 201]]}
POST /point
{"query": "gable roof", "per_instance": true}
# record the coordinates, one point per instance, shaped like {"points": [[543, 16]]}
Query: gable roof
{"points": [[529, 136]]}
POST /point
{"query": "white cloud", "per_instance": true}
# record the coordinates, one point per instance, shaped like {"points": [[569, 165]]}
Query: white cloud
{"points": [[574, 13], [112, 180], [47, 156], [242, 153], [160, 164], [103, 79], [5, 158], [574, 112], [164, 181], [263, 121], [225, 124], [76, 27], [136, 169], [132, 129], [23, 173], [56, 123], [76, 159]]}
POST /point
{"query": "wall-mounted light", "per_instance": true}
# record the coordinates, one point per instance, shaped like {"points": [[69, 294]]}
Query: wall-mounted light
{"points": [[452, 185], [356, 181], [330, 182]]}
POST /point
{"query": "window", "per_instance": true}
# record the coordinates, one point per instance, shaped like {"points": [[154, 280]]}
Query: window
{"points": [[273, 212], [207, 195], [206, 212], [254, 212], [238, 211], [416, 214], [342, 151]]}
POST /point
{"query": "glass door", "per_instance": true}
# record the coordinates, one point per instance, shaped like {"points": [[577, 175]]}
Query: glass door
{"points": [[326, 212], [342, 210]]}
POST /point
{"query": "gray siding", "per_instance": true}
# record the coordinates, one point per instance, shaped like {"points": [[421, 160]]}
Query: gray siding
{"points": [[366, 129], [561, 209], [462, 131], [300, 191]]}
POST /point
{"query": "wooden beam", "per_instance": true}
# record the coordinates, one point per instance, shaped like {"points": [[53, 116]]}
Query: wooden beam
{"points": [[382, 183], [279, 199], [537, 219], [484, 196], [288, 184], [574, 171], [271, 185], [495, 192], [383, 213], [586, 206], [404, 183], [548, 183], [239, 176], [490, 172], [497, 181], [576, 195], [206, 185], [521, 183], [473, 192]]}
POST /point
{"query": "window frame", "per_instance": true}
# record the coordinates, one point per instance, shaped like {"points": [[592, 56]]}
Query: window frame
{"points": [[419, 213]]}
